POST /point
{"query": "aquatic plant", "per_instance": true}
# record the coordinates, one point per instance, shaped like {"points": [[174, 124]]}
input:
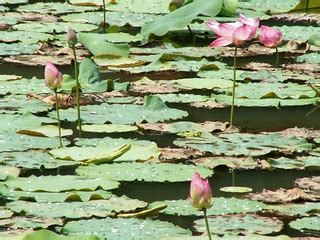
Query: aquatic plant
{"points": [[271, 38], [235, 33], [72, 41], [201, 196], [53, 79]]}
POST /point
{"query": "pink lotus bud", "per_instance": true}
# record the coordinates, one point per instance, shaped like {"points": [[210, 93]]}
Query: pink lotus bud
{"points": [[270, 37], [200, 192], [71, 37], [52, 76]]}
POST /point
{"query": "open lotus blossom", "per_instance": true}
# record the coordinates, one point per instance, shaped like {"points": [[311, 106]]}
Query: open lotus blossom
{"points": [[270, 37], [234, 33], [200, 192], [52, 76]]}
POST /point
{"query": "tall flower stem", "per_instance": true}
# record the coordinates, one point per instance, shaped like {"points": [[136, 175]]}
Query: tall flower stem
{"points": [[58, 115], [77, 89], [307, 6], [277, 57], [104, 16], [234, 85], [207, 223]]}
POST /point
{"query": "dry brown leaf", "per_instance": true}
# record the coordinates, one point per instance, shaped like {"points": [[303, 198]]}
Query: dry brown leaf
{"points": [[300, 132], [178, 154], [230, 162], [301, 18], [284, 195], [312, 183]]}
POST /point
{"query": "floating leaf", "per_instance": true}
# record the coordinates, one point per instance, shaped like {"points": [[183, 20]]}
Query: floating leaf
{"points": [[148, 172], [306, 224], [109, 128], [112, 229], [45, 234], [305, 209], [8, 172], [221, 206], [46, 131], [240, 225], [236, 189], [27, 222], [99, 208], [312, 183], [59, 183]]}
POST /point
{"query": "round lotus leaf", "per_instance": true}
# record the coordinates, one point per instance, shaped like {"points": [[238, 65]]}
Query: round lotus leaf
{"points": [[182, 98], [220, 206], [46, 197], [99, 208], [24, 37], [236, 189], [202, 83], [313, 58], [240, 225], [5, 213], [112, 18], [306, 224], [154, 110], [17, 49], [32, 160], [46, 131], [125, 229], [230, 237], [59, 183], [147, 172], [18, 222], [306, 162], [56, 8], [6, 172], [304, 209], [45, 234], [51, 27], [246, 144]]}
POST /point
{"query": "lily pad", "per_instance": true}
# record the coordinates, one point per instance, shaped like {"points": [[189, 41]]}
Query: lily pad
{"points": [[147, 172], [220, 206], [236, 189], [306, 224], [305, 209], [16, 49], [28, 222], [8, 172], [113, 229], [45, 234], [109, 128], [51, 27], [46, 131], [240, 225], [59, 183], [99, 208]]}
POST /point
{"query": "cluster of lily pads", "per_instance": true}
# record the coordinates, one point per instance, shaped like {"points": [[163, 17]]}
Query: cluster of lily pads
{"points": [[137, 101]]}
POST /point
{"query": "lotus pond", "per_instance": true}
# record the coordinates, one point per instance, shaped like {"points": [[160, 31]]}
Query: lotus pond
{"points": [[145, 90]]}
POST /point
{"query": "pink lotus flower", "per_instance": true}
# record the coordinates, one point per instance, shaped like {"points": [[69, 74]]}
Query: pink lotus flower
{"points": [[270, 37], [53, 77], [237, 32], [200, 192]]}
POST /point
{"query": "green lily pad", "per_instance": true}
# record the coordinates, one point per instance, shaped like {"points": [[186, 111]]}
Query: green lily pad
{"points": [[148, 172], [112, 18], [57, 27], [99, 208], [45, 234], [16, 49], [46, 197], [18, 222], [8, 172], [46, 131], [18, 142], [240, 225], [246, 144], [112, 229], [313, 58], [32, 160], [59, 183], [182, 98], [308, 163], [298, 32], [154, 110], [4, 213], [236, 189], [55, 8], [230, 162], [98, 44], [202, 83], [220, 206], [306, 224], [305, 209]]}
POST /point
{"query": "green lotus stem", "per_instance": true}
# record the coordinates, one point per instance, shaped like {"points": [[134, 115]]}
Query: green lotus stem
{"points": [[192, 35], [277, 57], [104, 16], [233, 177], [76, 75], [207, 223], [58, 115], [234, 84], [307, 6]]}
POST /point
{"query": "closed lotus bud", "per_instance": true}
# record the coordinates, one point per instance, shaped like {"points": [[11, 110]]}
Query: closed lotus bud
{"points": [[200, 192], [71, 37], [270, 37], [52, 76]]}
